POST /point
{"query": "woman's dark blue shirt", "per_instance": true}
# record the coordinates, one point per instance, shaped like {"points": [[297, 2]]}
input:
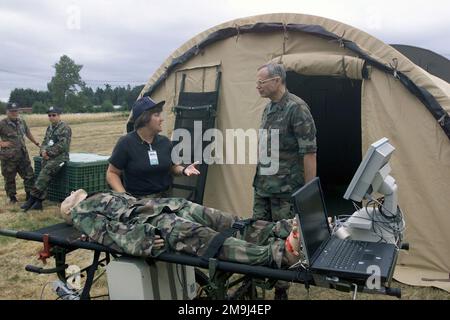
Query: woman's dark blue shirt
{"points": [[131, 156]]}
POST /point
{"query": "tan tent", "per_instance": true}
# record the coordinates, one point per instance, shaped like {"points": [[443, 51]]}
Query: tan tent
{"points": [[359, 90]]}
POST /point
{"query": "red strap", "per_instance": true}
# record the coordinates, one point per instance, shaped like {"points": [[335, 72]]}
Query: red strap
{"points": [[45, 254]]}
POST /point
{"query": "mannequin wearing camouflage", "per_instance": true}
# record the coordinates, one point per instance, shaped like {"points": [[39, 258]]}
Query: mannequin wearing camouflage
{"points": [[124, 223], [13, 152], [55, 152]]}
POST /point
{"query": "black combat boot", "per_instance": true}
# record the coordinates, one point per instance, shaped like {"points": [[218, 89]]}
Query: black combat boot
{"points": [[12, 199], [37, 205], [27, 205], [27, 197]]}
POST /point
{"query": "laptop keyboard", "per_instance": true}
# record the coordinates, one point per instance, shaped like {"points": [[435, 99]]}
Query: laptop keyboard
{"points": [[342, 254]]}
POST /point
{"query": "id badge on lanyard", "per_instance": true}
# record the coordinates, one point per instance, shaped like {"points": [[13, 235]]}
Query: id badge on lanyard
{"points": [[153, 157]]}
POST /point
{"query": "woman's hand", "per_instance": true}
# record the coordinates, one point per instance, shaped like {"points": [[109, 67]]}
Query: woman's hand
{"points": [[191, 170], [158, 243]]}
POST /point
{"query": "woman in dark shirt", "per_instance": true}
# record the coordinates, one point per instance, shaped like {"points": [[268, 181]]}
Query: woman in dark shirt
{"points": [[143, 156]]}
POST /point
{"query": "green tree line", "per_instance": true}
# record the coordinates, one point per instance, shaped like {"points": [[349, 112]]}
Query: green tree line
{"points": [[68, 91]]}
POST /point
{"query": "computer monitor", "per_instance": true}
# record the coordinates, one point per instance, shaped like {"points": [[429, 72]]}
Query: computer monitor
{"points": [[372, 177], [372, 172]]}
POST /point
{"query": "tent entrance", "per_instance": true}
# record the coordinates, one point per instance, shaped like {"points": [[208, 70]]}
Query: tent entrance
{"points": [[336, 108]]}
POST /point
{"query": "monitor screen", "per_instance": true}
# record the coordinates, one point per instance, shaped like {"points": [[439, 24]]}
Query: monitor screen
{"points": [[310, 206], [377, 157]]}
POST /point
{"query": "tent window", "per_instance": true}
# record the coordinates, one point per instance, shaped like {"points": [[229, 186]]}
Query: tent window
{"points": [[336, 108]]}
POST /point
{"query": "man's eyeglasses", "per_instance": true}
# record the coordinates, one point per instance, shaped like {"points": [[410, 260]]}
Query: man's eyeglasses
{"points": [[261, 82], [52, 115]]}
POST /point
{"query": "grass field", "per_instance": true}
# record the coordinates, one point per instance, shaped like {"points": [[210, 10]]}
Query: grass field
{"points": [[98, 133]]}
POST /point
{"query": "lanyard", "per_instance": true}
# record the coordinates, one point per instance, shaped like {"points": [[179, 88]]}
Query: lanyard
{"points": [[152, 156]]}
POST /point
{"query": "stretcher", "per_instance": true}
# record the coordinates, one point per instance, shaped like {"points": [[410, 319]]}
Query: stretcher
{"points": [[216, 282]]}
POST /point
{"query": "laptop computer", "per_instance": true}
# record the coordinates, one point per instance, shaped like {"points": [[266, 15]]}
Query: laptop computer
{"points": [[327, 254]]}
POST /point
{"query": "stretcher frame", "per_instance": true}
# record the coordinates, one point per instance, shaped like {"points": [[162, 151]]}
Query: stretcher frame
{"points": [[61, 239]]}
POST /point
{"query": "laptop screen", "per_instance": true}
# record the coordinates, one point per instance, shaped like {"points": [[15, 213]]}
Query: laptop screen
{"points": [[310, 207]]}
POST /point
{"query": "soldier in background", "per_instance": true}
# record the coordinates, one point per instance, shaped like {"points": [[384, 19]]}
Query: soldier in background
{"points": [[13, 152], [55, 153], [297, 150]]}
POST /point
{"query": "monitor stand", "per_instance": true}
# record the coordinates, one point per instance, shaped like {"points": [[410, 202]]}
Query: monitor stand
{"points": [[360, 226]]}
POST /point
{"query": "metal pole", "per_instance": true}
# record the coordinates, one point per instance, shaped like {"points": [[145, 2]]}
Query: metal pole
{"points": [[8, 233]]}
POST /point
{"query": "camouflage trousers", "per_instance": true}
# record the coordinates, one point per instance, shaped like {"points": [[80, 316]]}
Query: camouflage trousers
{"points": [[271, 208], [49, 170], [21, 166], [192, 228]]}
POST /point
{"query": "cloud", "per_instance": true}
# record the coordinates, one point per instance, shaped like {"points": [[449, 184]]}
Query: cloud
{"points": [[126, 41]]}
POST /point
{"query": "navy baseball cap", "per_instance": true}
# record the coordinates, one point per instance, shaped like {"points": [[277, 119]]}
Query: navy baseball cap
{"points": [[12, 106], [144, 104], [53, 109]]}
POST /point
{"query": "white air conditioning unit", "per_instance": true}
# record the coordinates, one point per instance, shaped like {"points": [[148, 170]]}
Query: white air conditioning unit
{"points": [[135, 279]]}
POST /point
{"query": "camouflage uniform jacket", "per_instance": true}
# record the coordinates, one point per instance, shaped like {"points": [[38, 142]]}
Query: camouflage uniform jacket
{"points": [[297, 137], [120, 221], [14, 132], [57, 141]]}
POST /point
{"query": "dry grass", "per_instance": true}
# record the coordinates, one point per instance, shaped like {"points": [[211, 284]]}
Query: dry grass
{"points": [[40, 120], [298, 292], [15, 282], [94, 135]]}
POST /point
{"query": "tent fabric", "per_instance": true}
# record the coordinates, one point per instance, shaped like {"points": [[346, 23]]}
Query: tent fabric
{"points": [[426, 278], [440, 113], [399, 101], [420, 166], [428, 60], [313, 64]]}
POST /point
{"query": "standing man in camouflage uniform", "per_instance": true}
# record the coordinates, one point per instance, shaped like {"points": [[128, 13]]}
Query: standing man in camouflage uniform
{"points": [[297, 150], [55, 152], [13, 152]]}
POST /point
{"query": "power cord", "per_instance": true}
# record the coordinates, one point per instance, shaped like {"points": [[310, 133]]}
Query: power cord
{"points": [[43, 288], [395, 227]]}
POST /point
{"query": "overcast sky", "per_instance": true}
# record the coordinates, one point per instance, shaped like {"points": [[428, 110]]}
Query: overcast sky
{"points": [[124, 42]]}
